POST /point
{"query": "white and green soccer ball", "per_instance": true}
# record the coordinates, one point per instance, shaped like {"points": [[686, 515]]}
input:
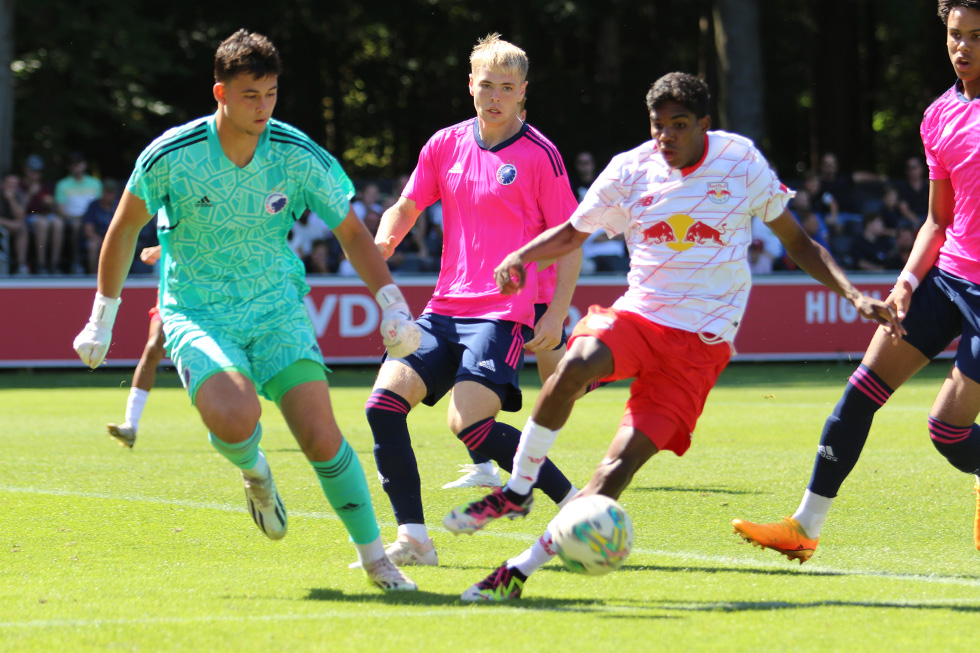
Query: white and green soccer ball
{"points": [[592, 535]]}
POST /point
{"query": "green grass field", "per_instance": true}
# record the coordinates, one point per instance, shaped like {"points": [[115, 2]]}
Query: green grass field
{"points": [[150, 549]]}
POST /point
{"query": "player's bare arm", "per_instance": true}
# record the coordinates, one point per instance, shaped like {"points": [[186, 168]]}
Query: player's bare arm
{"points": [[362, 252], [929, 240], [119, 246], [819, 264], [553, 243], [547, 330], [396, 222]]}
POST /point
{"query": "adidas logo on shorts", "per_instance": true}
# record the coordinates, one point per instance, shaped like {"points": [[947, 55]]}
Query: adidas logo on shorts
{"points": [[488, 364]]}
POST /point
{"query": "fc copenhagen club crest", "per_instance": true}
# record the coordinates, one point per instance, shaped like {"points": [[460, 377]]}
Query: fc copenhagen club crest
{"points": [[275, 202], [506, 174], [718, 192]]}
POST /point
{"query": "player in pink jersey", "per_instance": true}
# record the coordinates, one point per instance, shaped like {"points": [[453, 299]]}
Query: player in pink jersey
{"points": [[946, 257], [684, 202], [501, 183]]}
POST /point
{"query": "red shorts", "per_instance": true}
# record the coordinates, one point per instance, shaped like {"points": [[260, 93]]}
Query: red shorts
{"points": [[674, 371]]}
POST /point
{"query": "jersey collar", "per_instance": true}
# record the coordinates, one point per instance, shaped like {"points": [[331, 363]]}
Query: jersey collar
{"points": [[694, 166], [217, 154], [498, 146]]}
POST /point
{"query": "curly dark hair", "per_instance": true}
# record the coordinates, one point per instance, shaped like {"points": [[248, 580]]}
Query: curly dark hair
{"points": [[687, 90], [245, 52], [945, 6]]}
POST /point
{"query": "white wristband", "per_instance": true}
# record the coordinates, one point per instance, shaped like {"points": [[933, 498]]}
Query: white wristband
{"points": [[905, 275], [389, 295], [104, 310]]}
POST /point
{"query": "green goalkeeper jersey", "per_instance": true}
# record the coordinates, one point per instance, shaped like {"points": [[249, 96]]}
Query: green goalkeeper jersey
{"points": [[223, 229]]}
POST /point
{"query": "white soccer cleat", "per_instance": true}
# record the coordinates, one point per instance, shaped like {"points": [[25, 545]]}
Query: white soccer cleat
{"points": [[406, 551], [389, 577], [264, 503], [473, 477], [123, 433]]}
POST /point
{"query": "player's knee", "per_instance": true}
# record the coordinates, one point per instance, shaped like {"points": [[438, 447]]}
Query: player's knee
{"points": [[612, 476], [573, 374], [963, 453]]}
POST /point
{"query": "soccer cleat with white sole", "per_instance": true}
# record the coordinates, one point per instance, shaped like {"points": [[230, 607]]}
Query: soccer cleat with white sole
{"points": [[124, 434], [406, 551], [389, 577], [474, 477], [786, 537], [475, 515], [503, 584], [264, 503]]}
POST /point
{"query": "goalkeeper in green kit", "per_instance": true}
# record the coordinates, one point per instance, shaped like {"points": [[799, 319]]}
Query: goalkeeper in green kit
{"points": [[225, 189]]}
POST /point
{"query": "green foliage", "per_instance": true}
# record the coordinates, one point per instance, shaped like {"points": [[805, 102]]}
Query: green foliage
{"points": [[152, 549]]}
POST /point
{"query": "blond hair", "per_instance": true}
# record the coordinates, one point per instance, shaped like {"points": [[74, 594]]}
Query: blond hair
{"points": [[494, 53]]}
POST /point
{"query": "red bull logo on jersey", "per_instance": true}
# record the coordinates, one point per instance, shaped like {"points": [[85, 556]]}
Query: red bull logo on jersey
{"points": [[718, 192], [680, 232], [276, 202]]}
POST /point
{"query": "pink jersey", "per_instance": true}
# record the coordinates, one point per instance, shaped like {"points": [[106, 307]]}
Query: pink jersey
{"points": [[546, 284], [950, 131], [687, 231], [494, 200]]}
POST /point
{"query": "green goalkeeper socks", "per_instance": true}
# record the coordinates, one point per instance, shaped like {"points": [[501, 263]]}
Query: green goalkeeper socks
{"points": [[243, 455], [345, 487]]}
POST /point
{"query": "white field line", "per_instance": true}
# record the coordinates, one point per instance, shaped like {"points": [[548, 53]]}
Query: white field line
{"points": [[810, 569]]}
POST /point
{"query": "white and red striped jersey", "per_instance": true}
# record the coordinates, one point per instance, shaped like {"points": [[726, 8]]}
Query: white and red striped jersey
{"points": [[687, 230]]}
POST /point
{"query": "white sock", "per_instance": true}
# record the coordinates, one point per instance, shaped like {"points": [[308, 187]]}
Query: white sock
{"points": [[568, 497], [485, 468], [536, 441], [134, 406], [812, 513], [417, 532], [539, 554], [370, 552]]}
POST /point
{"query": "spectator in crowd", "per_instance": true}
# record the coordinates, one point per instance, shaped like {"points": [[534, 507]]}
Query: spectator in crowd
{"points": [[369, 199], [822, 203], [45, 224], [891, 212], [869, 251], [913, 191], [584, 174], [841, 184], [600, 253], [13, 220], [904, 239], [801, 206], [72, 196], [772, 248], [306, 231], [95, 223], [759, 261], [318, 260], [413, 253]]}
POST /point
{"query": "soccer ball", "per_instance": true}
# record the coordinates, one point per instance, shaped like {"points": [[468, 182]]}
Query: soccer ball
{"points": [[592, 535]]}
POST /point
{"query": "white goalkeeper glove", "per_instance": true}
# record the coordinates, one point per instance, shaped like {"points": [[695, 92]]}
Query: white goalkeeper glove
{"points": [[399, 332], [93, 342]]}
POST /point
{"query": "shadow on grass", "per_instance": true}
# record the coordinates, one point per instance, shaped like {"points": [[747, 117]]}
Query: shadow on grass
{"points": [[699, 490]]}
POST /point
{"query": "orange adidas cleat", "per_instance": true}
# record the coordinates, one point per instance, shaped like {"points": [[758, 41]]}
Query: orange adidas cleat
{"points": [[787, 537]]}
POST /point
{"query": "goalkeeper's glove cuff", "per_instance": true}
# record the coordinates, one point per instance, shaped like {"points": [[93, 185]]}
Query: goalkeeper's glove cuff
{"points": [[104, 310]]}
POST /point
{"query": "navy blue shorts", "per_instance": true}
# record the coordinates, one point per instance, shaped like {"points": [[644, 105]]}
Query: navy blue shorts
{"points": [[944, 307], [539, 310], [453, 349]]}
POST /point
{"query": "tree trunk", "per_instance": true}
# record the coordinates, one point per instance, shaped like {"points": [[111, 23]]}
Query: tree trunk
{"points": [[6, 83], [740, 89]]}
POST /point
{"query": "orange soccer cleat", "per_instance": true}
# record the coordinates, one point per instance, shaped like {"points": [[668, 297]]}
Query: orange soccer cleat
{"points": [[787, 537]]}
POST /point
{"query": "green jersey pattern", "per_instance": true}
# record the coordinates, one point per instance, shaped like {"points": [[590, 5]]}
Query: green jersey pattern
{"points": [[223, 229]]}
